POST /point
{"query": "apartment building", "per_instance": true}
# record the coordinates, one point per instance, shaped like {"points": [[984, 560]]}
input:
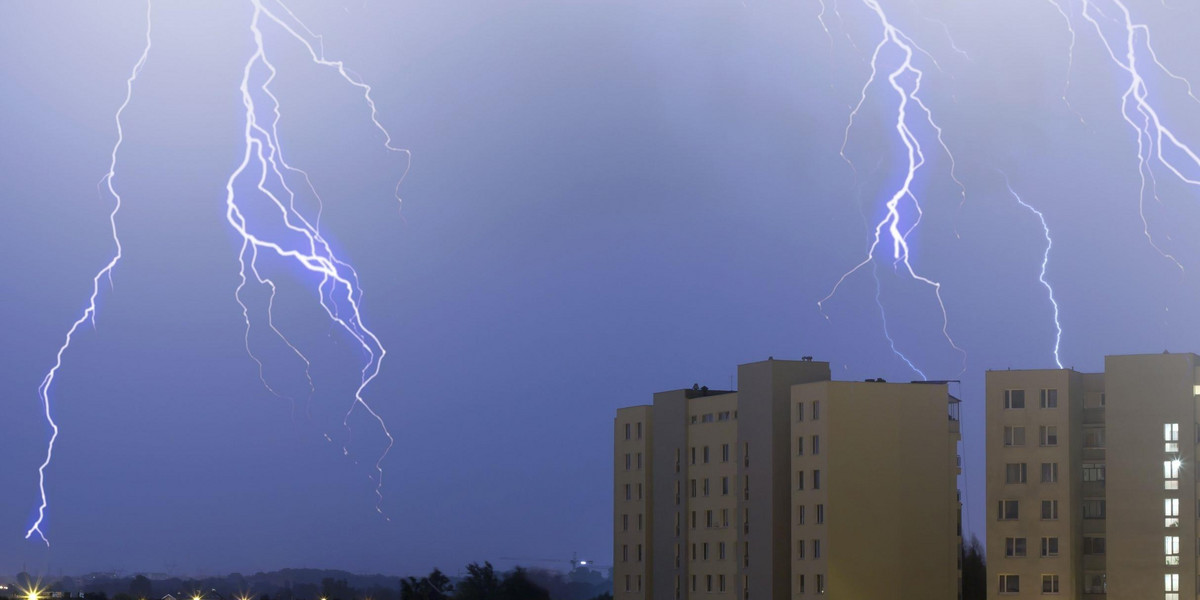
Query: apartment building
{"points": [[792, 486], [1091, 481]]}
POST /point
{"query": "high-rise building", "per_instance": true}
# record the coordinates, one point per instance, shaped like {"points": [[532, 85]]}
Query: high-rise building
{"points": [[1091, 482], [793, 486]]}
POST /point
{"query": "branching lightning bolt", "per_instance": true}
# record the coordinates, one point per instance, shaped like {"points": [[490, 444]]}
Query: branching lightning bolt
{"points": [[338, 291], [1045, 264], [898, 228], [1152, 134], [89, 313]]}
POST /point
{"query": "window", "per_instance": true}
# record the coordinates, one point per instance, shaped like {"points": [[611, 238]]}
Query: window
{"points": [[801, 584], [1171, 474], [1050, 546], [1048, 435], [723, 416], [1049, 509], [624, 522], [1014, 436], [820, 514], [624, 552], [1014, 547], [1093, 472], [1049, 472], [1009, 510], [628, 492], [1171, 512], [720, 583], [705, 486], [816, 409], [628, 586], [1049, 584], [1049, 399], [721, 551], [639, 430], [816, 548], [724, 517], [816, 479], [724, 486], [708, 518], [694, 419], [800, 549], [800, 480], [628, 460], [816, 444], [640, 522], [800, 514], [704, 550], [1171, 437], [639, 555], [693, 487], [1014, 398], [627, 431], [1093, 545], [677, 460], [693, 527], [707, 418], [1094, 509], [820, 583], [1171, 543], [800, 412], [800, 446], [1093, 437], [706, 455], [693, 455], [1171, 583], [724, 453], [1010, 584], [1015, 473], [639, 488], [639, 461]]}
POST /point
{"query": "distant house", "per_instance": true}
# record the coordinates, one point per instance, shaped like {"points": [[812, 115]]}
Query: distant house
{"points": [[169, 597]]}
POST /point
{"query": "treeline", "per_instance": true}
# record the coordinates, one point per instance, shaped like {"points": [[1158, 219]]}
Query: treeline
{"points": [[317, 584]]}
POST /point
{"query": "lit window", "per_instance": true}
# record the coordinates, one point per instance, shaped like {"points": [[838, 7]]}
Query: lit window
{"points": [[1171, 437], [1050, 546], [1014, 547], [1049, 472], [1171, 584], [1010, 584], [1171, 512], [1171, 473], [1014, 436], [1014, 398], [1015, 473], [1171, 543], [1049, 399], [1049, 584], [1048, 435]]}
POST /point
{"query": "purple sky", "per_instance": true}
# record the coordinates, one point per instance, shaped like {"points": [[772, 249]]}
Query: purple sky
{"points": [[606, 199]]}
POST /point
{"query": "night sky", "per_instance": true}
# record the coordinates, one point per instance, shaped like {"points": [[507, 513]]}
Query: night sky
{"points": [[606, 199]]}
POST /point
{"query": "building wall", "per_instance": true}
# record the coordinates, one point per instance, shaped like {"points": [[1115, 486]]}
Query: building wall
{"points": [[633, 515], [1038, 528], [888, 490], [712, 510], [764, 432], [1144, 393], [669, 537]]}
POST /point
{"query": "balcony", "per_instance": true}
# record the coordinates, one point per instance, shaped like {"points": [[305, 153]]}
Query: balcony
{"points": [[1093, 416]]}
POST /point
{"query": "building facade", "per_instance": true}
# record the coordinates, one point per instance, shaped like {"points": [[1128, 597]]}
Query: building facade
{"points": [[1075, 520], [793, 486]]}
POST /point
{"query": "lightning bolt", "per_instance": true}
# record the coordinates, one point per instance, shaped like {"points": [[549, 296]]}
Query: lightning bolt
{"points": [[905, 81], [89, 313], [1153, 135], [265, 169], [1045, 264]]}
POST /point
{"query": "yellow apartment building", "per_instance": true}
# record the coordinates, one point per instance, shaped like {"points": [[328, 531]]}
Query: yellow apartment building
{"points": [[1071, 519], [793, 486]]}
